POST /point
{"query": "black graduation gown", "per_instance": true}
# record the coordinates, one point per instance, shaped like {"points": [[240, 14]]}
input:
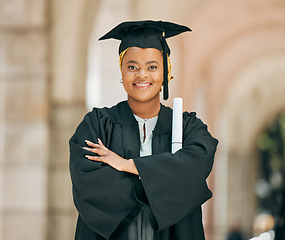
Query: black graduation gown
{"points": [[172, 187]]}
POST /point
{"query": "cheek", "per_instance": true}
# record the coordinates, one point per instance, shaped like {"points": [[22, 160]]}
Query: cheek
{"points": [[126, 75], [158, 76], [127, 80]]}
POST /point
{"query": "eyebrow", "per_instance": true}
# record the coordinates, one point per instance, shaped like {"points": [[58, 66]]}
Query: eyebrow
{"points": [[149, 62], [131, 61]]}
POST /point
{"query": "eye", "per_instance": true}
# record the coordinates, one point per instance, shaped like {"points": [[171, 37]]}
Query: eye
{"points": [[152, 68], [132, 68]]}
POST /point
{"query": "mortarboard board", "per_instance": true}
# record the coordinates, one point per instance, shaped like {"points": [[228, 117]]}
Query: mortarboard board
{"points": [[147, 34]]}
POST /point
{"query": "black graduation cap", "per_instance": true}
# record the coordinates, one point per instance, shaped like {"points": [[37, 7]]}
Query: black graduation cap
{"points": [[147, 34]]}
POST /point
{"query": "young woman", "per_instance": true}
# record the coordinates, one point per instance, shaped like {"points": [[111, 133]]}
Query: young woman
{"points": [[126, 182]]}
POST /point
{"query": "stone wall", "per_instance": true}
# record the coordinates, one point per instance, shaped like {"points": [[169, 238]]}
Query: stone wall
{"points": [[69, 34], [43, 49], [24, 125]]}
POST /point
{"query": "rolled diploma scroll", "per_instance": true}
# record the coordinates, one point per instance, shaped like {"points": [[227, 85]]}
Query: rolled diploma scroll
{"points": [[177, 124]]}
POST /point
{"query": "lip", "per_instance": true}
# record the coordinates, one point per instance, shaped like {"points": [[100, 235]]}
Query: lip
{"points": [[142, 85]]}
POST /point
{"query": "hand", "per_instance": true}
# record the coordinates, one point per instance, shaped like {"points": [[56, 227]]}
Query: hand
{"points": [[109, 157]]}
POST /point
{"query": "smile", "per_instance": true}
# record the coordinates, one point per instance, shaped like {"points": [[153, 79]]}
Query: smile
{"points": [[142, 85]]}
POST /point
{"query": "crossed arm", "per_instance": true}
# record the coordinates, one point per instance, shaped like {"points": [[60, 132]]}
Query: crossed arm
{"points": [[107, 156]]}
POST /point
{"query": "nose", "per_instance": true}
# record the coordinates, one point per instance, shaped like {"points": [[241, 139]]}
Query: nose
{"points": [[142, 73]]}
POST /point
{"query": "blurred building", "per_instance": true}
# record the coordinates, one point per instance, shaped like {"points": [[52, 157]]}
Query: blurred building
{"points": [[230, 70]]}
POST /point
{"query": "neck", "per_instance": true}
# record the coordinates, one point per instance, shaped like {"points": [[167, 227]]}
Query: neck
{"points": [[145, 110]]}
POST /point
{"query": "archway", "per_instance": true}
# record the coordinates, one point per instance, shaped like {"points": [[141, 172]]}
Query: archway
{"points": [[232, 43], [254, 99]]}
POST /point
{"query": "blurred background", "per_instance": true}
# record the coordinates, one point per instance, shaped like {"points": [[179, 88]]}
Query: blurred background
{"points": [[230, 70]]}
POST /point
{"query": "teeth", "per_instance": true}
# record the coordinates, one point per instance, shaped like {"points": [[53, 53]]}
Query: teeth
{"points": [[142, 84]]}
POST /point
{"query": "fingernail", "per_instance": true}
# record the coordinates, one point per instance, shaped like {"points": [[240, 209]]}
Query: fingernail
{"points": [[99, 140]]}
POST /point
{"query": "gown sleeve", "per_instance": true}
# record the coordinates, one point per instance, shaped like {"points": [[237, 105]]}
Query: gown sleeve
{"points": [[175, 184], [102, 195]]}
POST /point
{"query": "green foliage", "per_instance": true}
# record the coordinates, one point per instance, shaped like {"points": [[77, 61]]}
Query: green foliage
{"points": [[272, 143], [271, 146]]}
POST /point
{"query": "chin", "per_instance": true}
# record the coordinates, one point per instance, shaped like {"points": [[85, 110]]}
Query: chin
{"points": [[146, 98]]}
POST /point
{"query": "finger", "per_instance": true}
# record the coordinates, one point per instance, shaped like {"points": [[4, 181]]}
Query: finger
{"points": [[99, 151], [95, 147], [91, 144], [101, 144], [94, 158], [89, 149]]}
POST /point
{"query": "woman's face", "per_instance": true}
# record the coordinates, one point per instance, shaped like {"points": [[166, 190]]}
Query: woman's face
{"points": [[142, 74]]}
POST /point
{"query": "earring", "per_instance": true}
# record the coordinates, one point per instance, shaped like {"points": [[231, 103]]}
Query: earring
{"points": [[121, 81]]}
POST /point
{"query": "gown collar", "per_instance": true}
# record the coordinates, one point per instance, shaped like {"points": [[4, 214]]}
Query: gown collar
{"points": [[164, 121]]}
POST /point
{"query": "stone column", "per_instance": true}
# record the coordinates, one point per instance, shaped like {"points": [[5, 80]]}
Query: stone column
{"points": [[70, 29], [24, 131]]}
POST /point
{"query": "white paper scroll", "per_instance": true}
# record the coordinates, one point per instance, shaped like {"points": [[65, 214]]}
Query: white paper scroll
{"points": [[177, 124]]}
